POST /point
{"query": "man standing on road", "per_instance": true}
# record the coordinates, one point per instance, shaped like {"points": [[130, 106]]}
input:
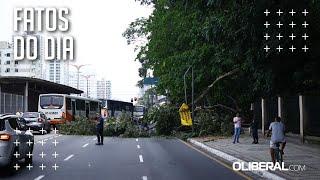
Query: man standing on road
{"points": [[237, 128], [99, 128]]}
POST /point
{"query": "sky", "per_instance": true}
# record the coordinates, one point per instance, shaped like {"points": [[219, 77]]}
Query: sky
{"points": [[97, 26]]}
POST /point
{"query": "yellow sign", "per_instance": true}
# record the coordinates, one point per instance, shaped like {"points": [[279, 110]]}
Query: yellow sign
{"points": [[185, 115]]}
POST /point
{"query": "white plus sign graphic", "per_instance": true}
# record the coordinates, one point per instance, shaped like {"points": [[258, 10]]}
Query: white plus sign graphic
{"points": [[279, 12], [29, 142], [55, 155], [16, 154], [30, 130], [29, 166], [292, 24], [16, 166], [267, 12], [305, 12], [55, 130], [292, 48], [292, 12], [42, 131], [266, 36], [267, 24], [305, 48], [55, 167], [42, 154], [42, 142], [305, 36], [279, 48], [279, 36], [55, 142], [279, 24], [29, 154], [292, 36], [266, 48], [42, 167], [305, 24], [16, 142]]}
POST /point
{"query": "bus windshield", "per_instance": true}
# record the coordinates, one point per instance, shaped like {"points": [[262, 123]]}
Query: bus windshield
{"points": [[51, 101]]}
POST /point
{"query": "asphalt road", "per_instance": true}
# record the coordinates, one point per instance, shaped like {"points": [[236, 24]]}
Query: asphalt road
{"points": [[120, 159]]}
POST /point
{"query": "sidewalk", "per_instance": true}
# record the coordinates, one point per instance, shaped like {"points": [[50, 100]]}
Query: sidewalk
{"points": [[295, 154]]}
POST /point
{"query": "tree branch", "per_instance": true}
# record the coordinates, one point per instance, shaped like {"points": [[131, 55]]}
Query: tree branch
{"points": [[214, 82]]}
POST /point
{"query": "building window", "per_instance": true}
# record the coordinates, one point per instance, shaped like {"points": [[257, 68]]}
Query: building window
{"points": [[16, 70], [7, 70], [7, 62], [8, 54]]}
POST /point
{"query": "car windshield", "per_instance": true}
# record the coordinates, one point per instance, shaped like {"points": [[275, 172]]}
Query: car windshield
{"points": [[30, 115]]}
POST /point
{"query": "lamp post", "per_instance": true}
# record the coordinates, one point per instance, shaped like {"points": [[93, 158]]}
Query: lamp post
{"points": [[192, 91], [87, 77], [78, 67]]}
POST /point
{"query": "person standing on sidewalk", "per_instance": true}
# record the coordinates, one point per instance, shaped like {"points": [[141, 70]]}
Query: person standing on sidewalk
{"points": [[237, 128], [254, 131], [99, 129]]}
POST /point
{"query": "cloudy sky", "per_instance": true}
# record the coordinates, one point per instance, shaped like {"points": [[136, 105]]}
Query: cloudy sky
{"points": [[97, 26]]}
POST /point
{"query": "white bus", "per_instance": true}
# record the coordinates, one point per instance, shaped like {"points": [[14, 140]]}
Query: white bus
{"points": [[61, 107]]}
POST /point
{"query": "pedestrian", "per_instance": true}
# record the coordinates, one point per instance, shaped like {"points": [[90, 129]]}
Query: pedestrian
{"points": [[237, 128], [99, 129], [254, 131]]}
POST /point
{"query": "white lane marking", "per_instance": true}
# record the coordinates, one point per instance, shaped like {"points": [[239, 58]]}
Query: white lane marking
{"points": [[85, 145], [69, 157], [138, 146], [94, 139], [45, 140], [144, 178], [141, 158], [39, 177], [51, 138], [137, 139], [60, 135]]}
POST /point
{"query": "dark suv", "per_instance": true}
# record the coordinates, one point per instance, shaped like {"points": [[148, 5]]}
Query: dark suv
{"points": [[15, 142]]}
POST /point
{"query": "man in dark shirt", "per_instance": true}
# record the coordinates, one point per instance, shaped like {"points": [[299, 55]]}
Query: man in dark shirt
{"points": [[99, 128]]}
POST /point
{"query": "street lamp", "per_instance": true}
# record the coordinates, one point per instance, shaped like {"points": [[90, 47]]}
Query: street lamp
{"points": [[78, 67], [87, 77]]}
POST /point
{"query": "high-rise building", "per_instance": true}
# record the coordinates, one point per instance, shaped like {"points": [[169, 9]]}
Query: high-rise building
{"points": [[104, 89], [87, 85]]}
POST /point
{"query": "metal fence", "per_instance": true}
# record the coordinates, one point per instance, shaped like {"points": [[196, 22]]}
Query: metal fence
{"points": [[11, 103]]}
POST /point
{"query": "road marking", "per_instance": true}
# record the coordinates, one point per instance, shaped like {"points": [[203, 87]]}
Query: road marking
{"points": [[39, 177], [69, 157], [138, 146], [141, 158], [144, 178], [94, 139], [216, 160], [137, 139], [51, 138], [85, 145], [45, 140]]}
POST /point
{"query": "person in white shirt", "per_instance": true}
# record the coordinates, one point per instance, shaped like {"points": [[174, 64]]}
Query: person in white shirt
{"points": [[237, 128], [277, 128]]}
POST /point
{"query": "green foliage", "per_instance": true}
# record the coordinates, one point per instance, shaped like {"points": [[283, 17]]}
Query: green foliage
{"points": [[212, 123], [80, 126], [166, 119]]}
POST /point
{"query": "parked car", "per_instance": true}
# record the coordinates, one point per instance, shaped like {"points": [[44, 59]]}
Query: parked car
{"points": [[36, 121], [12, 131]]}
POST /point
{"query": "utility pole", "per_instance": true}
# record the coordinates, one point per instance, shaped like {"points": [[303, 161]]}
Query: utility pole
{"points": [[87, 77], [78, 67], [192, 91]]}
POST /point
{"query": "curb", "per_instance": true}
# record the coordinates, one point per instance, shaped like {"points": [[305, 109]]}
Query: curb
{"points": [[232, 159]]}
